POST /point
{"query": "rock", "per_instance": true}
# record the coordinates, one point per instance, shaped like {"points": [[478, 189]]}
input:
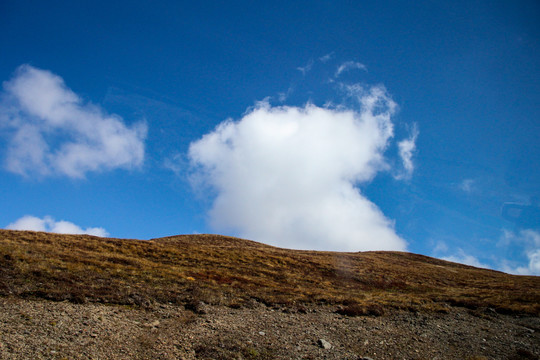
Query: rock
{"points": [[140, 300], [198, 307], [152, 324], [366, 358], [324, 344], [262, 333]]}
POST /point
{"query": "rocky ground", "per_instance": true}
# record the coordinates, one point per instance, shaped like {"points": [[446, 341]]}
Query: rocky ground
{"points": [[39, 329]]}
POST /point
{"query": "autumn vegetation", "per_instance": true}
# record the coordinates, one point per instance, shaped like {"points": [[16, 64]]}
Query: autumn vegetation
{"points": [[213, 269]]}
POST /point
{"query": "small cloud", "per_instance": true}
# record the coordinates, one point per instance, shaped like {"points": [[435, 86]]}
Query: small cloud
{"points": [[524, 216], [48, 224], [305, 69], [325, 58], [467, 185], [349, 65], [532, 267], [407, 148], [463, 258], [440, 248], [176, 163], [283, 96], [53, 132], [529, 240]]}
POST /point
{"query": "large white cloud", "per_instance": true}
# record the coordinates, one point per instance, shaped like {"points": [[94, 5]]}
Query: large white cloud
{"points": [[287, 175], [53, 132], [48, 224]]}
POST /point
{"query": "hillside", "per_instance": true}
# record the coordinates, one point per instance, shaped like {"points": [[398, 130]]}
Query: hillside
{"points": [[232, 271], [223, 276]]}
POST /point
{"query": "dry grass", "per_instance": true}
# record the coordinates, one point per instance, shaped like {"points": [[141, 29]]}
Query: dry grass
{"points": [[223, 270]]}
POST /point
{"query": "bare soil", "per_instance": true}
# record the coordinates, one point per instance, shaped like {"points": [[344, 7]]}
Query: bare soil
{"points": [[216, 297], [41, 329]]}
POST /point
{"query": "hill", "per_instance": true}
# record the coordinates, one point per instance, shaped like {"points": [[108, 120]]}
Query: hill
{"points": [[232, 271], [245, 281]]}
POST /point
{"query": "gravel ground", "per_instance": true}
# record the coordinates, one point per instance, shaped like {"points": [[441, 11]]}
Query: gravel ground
{"points": [[39, 329]]}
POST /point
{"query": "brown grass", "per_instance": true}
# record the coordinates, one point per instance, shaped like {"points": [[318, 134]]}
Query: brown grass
{"points": [[216, 269]]}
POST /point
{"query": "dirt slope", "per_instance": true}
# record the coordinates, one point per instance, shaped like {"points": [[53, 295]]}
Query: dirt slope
{"points": [[209, 296]]}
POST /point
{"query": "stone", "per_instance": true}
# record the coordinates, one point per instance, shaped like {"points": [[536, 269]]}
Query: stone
{"points": [[324, 344], [152, 324]]}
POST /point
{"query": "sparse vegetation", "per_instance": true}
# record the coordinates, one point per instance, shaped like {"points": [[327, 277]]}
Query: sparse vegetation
{"points": [[214, 269]]}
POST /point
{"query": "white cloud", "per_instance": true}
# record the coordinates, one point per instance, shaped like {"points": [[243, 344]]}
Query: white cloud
{"points": [[53, 132], [282, 96], [48, 224], [327, 57], [349, 65], [440, 247], [305, 69], [286, 175], [532, 268], [407, 148], [530, 241], [176, 163], [525, 237], [466, 259], [526, 241], [467, 185]]}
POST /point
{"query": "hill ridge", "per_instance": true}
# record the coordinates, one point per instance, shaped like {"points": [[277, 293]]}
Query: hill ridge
{"points": [[84, 268]]}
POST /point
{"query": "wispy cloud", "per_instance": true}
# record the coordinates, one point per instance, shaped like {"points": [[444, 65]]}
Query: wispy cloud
{"points": [[48, 224], [407, 149], [53, 132], [177, 163], [287, 175], [467, 259], [349, 65], [440, 247], [307, 68], [282, 96], [526, 241], [529, 241], [325, 58], [467, 185], [531, 268]]}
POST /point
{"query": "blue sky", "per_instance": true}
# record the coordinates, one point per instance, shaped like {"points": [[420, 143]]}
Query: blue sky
{"points": [[319, 125]]}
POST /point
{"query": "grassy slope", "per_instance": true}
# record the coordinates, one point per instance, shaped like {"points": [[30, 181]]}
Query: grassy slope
{"points": [[217, 269]]}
